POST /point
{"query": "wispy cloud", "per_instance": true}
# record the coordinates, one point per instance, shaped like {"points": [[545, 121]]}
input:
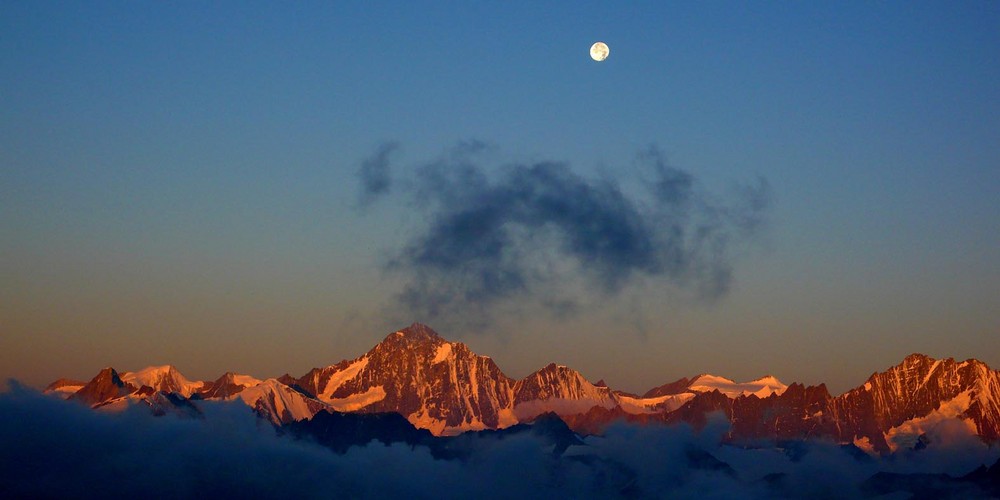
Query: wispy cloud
{"points": [[375, 174], [513, 233]]}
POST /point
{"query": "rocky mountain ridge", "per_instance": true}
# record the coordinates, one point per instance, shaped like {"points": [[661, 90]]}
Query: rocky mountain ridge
{"points": [[447, 389]]}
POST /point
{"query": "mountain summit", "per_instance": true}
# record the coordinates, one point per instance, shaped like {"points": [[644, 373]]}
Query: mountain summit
{"points": [[417, 332], [437, 385]]}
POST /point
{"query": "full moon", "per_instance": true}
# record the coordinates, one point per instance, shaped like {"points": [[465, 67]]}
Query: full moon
{"points": [[599, 51]]}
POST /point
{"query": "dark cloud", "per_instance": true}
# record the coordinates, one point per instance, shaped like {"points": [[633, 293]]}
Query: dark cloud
{"points": [[375, 175], [50, 448], [511, 233]]}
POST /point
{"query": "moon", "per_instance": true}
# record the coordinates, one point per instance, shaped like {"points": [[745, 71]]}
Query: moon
{"points": [[599, 51]]}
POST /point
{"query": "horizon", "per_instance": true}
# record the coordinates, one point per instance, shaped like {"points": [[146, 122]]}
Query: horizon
{"points": [[692, 378], [807, 191]]}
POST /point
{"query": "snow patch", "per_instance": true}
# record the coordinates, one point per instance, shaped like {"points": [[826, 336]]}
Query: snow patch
{"points": [[245, 380], [442, 354], [421, 420], [356, 402], [338, 378], [930, 373]]}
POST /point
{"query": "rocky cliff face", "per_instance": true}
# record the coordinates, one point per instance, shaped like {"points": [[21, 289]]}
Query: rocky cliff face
{"points": [[437, 385], [920, 388]]}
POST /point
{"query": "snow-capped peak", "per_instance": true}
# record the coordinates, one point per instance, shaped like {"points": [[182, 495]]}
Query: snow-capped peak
{"points": [[559, 389], [418, 331], [762, 387], [244, 380], [164, 378]]}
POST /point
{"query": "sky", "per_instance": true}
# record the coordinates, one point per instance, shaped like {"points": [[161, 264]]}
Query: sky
{"points": [[805, 190]]}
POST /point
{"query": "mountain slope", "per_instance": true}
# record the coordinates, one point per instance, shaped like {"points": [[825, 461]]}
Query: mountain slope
{"points": [[277, 402]]}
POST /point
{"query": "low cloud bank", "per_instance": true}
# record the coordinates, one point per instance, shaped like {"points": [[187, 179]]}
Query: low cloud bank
{"points": [[55, 448]]}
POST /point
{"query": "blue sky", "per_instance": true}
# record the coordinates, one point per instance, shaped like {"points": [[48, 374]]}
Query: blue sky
{"points": [[178, 182]]}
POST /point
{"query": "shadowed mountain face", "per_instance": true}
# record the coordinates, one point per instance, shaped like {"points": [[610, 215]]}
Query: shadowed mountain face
{"points": [[983, 482], [105, 386], [340, 431], [446, 388]]}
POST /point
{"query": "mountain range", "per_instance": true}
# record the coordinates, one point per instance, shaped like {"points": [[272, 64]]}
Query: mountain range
{"points": [[447, 389]]}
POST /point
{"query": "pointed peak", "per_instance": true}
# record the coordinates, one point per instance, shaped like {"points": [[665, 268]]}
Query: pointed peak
{"points": [[111, 373], [419, 329], [103, 387], [600, 383], [415, 332], [708, 377], [556, 370], [767, 379], [553, 368], [916, 360]]}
